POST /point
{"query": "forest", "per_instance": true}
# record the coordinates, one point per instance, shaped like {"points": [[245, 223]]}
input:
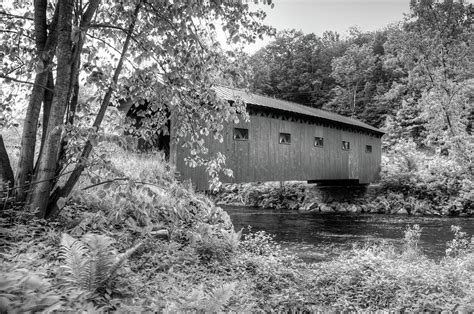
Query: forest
{"points": [[90, 224]]}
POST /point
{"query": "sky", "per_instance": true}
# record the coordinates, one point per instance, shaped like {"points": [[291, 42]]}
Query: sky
{"points": [[317, 16]]}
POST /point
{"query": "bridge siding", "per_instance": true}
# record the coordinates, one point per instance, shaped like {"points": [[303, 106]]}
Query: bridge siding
{"points": [[263, 158]]}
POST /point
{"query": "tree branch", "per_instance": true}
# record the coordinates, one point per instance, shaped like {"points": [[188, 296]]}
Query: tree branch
{"points": [[6, 77], [111, 47], [16, 32], [104, 25], [16, 16], [118, 179]]}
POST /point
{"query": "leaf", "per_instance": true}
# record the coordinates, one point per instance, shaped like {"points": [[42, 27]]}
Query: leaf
{"points": [[61, 203]]}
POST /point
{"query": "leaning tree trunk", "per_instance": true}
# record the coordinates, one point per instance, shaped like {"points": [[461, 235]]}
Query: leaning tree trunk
{"points": [[39, 195], [6, 172]]}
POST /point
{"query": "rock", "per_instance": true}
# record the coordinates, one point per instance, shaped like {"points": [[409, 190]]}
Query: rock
{"points": [[402, 211], [374, 210], [353, 209], [341, 208], [310, 206], [325, 209], [161, 234]]}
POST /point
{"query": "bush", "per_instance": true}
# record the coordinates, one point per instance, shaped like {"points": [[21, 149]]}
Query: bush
{"points": [[265, 195], [430, 183]]}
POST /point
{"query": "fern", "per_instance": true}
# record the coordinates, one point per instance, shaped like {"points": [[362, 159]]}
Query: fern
{"points": [[102, 257], [213, 301], [232, 238], [219, 297], [91, 263], [76, 257]]}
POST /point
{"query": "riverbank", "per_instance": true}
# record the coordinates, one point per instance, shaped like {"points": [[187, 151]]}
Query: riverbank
{"points": [[373, 199]]}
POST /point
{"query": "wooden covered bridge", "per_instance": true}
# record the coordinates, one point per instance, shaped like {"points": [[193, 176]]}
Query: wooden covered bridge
{"points": [[285, 141]]}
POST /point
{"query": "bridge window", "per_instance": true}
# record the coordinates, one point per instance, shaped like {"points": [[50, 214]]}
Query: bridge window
{"points": [[285, 138], [241, 134], [346, 145], [318, 142], [368, 149]]}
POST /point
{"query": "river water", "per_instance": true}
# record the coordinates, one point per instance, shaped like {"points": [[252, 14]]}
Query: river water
{"points": [[320, 236]]}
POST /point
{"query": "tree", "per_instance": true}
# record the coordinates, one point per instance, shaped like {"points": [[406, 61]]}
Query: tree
{"points": [[346, 76], [161, 51], [434, 50], [351, 71], [296, 67]]}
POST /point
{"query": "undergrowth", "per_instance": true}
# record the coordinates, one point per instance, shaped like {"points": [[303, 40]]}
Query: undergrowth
{"points": [[149, 243]]}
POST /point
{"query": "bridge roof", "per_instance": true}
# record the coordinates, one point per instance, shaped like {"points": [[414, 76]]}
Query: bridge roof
{"points": [[269, 102]]}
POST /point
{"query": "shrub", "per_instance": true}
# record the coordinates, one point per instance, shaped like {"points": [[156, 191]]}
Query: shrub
{"points": [[430, 183], [260, 243], [91, 264], [216, 245], [461, 244], [411, 240]]}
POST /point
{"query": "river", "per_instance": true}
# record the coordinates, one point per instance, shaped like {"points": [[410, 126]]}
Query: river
{"points": [[317, 236]]}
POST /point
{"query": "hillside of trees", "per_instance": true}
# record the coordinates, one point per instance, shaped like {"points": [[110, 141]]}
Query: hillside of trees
{"points": [[413, 78]]}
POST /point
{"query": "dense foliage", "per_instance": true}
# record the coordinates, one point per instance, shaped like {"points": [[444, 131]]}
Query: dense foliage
{"points": [[413, 78], [107, 253], [164, 53]]}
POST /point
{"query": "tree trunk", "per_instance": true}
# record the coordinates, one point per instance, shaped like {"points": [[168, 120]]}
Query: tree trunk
{"points": [[6, 172], [45, 47], [38, 197], [64, 191], [28, 138], [354, 99], [47, 101]]}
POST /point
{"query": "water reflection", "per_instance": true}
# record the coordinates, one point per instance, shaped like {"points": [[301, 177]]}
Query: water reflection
{"points": [[316, 236]]}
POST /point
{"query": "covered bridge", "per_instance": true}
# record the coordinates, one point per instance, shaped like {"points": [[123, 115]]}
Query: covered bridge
{"points": [[285, 141]]}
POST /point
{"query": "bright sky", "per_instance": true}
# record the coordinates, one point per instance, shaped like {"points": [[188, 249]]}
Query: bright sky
{"points": [[317, 16]]}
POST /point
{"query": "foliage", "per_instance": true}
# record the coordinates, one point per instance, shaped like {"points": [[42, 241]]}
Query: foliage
{"points": [[344, 75], [411, 183], [260, 276], [377, 278], [296, 67], [413, 77], [442, 183], [164, 54], [461, 244], [432, 49], [350, 71], [215, 246], [266, 195], [411, 240], [91, 264], [259, 243]]}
